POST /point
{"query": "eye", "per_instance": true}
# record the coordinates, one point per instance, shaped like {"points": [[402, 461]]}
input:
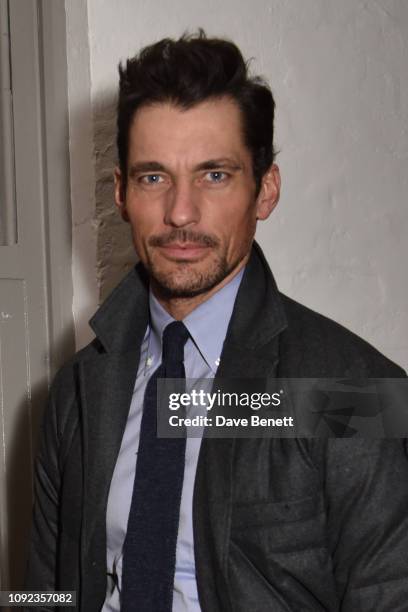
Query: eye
{"points": [[151, 179], [216, 176]]}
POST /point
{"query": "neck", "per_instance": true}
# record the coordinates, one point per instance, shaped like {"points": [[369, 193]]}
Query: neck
{"points": [[180, 307]]}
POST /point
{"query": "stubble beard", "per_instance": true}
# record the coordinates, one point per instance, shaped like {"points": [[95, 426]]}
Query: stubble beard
{"points": [[186, 281]]}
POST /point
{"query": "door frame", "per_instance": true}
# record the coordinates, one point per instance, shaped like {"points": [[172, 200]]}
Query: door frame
{"points": [[38, 59], [53, 56]]}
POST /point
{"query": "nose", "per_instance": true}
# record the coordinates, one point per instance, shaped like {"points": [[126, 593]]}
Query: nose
{"points": [[182, 205]]}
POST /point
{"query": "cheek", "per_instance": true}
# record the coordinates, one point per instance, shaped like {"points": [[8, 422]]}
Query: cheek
{"points": [[239, 221], [140, 234], [244, 230], [141, 220], [237, 235]]}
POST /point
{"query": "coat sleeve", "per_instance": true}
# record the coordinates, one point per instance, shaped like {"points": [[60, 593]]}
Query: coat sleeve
{"points": [[42, 562], [367, 493]]}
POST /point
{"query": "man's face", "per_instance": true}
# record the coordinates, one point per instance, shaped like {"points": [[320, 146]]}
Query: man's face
{"points": [[190, 195]]}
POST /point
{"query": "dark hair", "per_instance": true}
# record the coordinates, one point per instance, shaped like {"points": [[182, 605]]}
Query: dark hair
{"points": [[188, 71]]}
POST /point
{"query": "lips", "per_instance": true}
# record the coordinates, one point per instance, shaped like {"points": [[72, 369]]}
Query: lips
{"points": [[184, 251]]}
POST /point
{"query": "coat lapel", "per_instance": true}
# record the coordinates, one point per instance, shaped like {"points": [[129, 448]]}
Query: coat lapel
{"points": [[107, 384], [107, 381], [250, 351]]}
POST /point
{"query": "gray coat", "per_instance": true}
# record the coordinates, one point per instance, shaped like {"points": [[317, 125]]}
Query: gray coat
{"points": [[279, 524]]}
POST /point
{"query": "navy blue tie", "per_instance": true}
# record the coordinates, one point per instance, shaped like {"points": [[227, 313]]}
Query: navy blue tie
{"points": [[149, 552]]}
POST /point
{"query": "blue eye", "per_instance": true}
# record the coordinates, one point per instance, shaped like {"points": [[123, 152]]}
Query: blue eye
{"points": [[216, 176], [151, 179]]}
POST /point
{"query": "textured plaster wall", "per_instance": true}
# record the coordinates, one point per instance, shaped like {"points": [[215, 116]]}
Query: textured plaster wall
{"points": [[82, 170], [338, 240]]}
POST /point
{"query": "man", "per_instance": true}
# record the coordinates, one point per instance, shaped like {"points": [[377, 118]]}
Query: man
{"points": [[267, 524]]}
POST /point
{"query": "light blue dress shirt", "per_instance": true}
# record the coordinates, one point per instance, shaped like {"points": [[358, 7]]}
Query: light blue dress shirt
{"points": [[207, 325]]}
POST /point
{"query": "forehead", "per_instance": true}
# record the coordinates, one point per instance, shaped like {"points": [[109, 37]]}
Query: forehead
{"points": [[210, 129]]}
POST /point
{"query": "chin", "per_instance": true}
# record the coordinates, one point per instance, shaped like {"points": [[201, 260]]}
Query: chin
{"points": [[187, 282]]}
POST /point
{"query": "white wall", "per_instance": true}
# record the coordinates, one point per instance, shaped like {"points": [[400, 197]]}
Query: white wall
{"points": [[82, 169], [337, 241]]}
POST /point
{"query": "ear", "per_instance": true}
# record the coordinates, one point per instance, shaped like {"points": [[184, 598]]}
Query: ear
{"points": [[120, 194], [269, 193]]}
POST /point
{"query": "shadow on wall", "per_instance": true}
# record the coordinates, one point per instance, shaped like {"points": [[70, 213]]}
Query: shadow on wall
{"points": [[115, 252]]}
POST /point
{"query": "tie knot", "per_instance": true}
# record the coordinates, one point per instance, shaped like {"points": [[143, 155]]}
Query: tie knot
{"points": [[175, 336]]}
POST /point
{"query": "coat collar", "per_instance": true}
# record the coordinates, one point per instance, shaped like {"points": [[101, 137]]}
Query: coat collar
{"points": [[258, 314], [251, 347], [121, 321]]}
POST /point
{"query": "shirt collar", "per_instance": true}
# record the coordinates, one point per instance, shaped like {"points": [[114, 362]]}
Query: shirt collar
{"points": [[214, 314]]}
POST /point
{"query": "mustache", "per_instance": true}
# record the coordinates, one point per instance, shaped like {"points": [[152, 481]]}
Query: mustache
{"points": [[183, 235]]}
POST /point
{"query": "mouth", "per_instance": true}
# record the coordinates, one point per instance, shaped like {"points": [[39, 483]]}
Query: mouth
{"points": [[186, 251]]}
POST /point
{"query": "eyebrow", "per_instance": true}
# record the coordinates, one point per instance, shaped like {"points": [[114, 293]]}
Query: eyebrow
{"points": [[145, 166], [209, 164], [213, 164]]}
